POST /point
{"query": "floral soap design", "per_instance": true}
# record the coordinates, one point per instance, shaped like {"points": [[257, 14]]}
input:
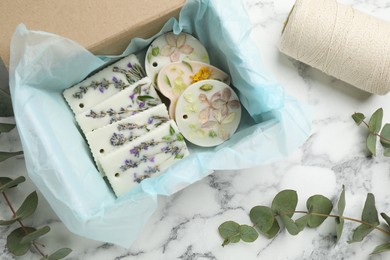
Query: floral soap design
{"points": [[208, 113], [170, 48], [145, 157], [104, 84], [175, 77], [130, 101]]}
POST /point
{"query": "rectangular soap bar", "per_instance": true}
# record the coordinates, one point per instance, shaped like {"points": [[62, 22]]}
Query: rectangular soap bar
{"points": [[111, 137], [130, 101], [104, 84], [145, 157]]}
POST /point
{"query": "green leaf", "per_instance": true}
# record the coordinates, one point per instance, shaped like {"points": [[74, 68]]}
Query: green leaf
{"points": [[28, 206], [262, 217], [290, 225], [149, 57], [230, 232], [385, 136], [4, 180], [59, 254], [155, 51], [5, 155], [339, 220], [285, 202], [171, 130], [369, 215], [188, 65], [248, 233], [180, 137], [381, 249], [273, 231], [371, 143], [206, 87], [375, 122], [166, 79], [13, 183], [358, 118], [302, 222], [31, 236], [4, 128], [7, 222], [144, 98], [386, 152], [386, 218], [318, 204], [14, 241]]}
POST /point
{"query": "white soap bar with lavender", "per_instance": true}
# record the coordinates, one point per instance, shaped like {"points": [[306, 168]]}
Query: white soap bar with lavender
{"points": [[145, 157], [111, 137], [136, 98], [104, 84]]}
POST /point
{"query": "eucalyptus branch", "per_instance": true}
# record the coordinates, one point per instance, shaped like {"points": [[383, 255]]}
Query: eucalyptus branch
{"points": [[266, 219]]}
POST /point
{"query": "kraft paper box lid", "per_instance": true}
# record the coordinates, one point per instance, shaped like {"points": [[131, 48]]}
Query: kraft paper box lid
{"points": [[103, 27]]}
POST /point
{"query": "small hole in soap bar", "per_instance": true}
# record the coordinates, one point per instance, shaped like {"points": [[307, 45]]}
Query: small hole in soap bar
{"points": [[101, 151], [81, 105], [117, 174], [185, 116], [155, 64]]}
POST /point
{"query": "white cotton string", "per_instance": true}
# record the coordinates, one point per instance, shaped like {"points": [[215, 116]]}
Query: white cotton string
{"points": [[340, 41]]}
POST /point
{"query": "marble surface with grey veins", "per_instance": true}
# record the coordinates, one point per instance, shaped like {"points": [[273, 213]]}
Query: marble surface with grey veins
{"points": [[185, 224]]}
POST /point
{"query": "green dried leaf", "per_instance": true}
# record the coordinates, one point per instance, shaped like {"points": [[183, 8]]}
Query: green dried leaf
{"points": [[339, 220], [385, 136], [155, 51], [5, 155], [166, 79], [14, 241], [248, 233], [381, 249], [230, 232], [290, 225], [4, 128], [34, 235], [12, 183], [171, 130], [59, 254], [318, 204], [371, 143], [149, 57], [144, 98], [285, 202], [358, 118], [369, 215], [179, 137], [262, 217], [206, 87], [386, 218], [188, 65], [273, 231], [28, 206], [7, 222], [375, 122]]}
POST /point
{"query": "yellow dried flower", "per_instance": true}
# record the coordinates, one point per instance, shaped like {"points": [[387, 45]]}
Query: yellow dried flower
{"points": [[202, 74]]}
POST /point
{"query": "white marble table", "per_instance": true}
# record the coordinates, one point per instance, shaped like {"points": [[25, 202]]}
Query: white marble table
{"points": [[185, 224]]}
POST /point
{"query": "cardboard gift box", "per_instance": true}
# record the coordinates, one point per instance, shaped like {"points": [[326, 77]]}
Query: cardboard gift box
{"points": [[57, 157]]}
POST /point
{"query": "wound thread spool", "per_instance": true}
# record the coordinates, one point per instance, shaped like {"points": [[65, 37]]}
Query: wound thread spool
{"points": [[340, 41]]}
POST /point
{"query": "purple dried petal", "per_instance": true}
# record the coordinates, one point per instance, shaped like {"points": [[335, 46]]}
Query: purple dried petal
{"points": [[115, 79], [129, 65]]}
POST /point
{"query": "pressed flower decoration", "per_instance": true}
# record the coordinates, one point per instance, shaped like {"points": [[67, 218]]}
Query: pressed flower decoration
{"points": [[175, 46]]}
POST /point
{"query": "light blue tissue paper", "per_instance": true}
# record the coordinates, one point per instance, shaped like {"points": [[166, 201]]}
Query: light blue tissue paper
{"points": [[58, 160]]}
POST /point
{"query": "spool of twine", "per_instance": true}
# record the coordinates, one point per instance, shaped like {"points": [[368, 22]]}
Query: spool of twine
{"points": [[340, 41]]}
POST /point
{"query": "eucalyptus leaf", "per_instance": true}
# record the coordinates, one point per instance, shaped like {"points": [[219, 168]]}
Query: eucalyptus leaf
{"points": [[28, 206], [370, 214], [262, 217], [360, 233], [14, 241], [6, 155], [318, 204], [248, 233], [386, 218], [381, 248], [31, 236], [385, 136], [340, 220], [230, 232], [386, 152], [273, 231], [358, 118], [4, 128], [7, 222], [285, 202], [302, 222], [4, 180], [59, 254], [290, 225], [375, 122], [12, 184], [371, 143]]}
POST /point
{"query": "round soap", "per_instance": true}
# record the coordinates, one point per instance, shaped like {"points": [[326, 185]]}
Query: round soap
{"points": [[175, 77], [208, 113], [169, 48]]}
